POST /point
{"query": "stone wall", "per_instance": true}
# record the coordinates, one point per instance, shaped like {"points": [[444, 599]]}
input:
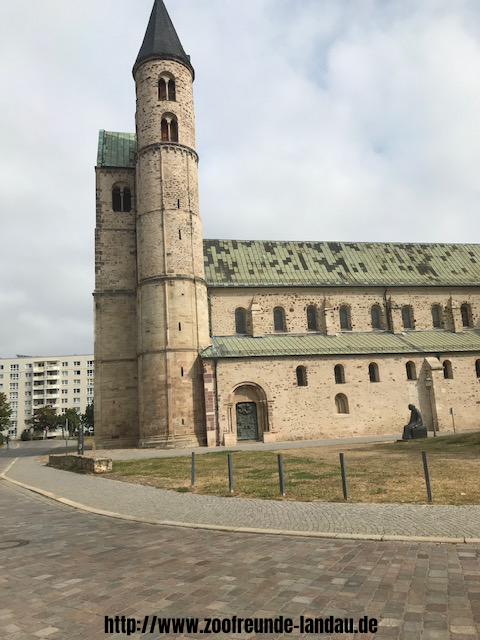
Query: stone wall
{"points": [[260, 303], [310, 412], [80, 463]]}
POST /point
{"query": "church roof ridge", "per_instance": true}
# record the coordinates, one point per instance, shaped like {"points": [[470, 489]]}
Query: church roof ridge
{"points": [[161, 41]]}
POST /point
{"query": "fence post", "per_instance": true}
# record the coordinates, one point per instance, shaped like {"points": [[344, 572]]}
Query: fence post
{"points": [[193, 468], [230, 473], [344, 476], [281, 475], [427, 475]]}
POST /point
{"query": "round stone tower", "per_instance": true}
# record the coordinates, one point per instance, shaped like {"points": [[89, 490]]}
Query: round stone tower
{"points": [[172, 307]]}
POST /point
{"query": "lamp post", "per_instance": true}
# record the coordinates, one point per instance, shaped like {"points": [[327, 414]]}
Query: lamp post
{"points": [[429, 385]]}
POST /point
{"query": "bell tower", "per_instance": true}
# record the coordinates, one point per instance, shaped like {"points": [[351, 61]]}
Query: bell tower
{"points": [[172, 310]]}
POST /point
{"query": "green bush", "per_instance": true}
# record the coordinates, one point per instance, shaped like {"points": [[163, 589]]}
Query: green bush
{"points": [[1, 438], [25, 435]]}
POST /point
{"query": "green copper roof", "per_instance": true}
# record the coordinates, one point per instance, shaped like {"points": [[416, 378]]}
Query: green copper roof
{"points": [[233, 263], [116, 149], [344, 344]]}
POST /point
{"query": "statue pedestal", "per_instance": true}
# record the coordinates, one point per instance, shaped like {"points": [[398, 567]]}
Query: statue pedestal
{"points": [[229, 439]]}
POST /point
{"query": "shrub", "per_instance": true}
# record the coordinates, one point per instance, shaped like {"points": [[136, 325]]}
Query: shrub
{"points": [[25, 435]]}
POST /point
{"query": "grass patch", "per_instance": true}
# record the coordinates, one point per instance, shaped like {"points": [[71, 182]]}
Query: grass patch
{"points": [[390, 472]]}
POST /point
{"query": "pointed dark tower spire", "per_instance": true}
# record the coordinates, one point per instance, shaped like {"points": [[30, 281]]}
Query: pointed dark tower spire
{"points": [[161, 41]]}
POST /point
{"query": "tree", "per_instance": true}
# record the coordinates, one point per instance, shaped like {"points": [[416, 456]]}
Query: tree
{"points": [[73, 420], [87, 417], [44, 417], [5, 412]]}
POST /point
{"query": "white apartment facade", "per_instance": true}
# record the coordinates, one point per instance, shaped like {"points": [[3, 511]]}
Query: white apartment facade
{"points": [[63, 382]]}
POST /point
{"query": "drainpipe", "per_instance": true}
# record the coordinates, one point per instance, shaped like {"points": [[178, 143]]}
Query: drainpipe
{"points": [[215, 385]]}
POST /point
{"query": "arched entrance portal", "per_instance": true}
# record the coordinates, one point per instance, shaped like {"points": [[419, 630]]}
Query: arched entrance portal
{"points": [[249, 413]]}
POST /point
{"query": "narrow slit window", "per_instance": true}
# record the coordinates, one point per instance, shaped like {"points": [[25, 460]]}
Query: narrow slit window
{"points": [[376, 315], [447, 370], [466, 315], [241, 321], [179, 326], [437, 314], [162, 89], [116, 199], [345, 321], [172, 90], [411, 371], [373, 372], [339, 373], [312, 318], [407, 317], [477, 368], [127, 200], [164, 127], [279, 319], [301, 376], [181, 371], [179, 234], [173, 131]]}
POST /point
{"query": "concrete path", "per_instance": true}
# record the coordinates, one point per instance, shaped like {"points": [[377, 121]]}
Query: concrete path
{"points": [[63, 571], [156, 505]]}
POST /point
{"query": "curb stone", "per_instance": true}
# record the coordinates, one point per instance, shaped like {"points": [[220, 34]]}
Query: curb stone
{"points": [[226, 529]]}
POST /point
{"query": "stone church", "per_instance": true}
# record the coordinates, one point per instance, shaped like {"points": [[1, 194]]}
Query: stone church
{"points": [[223, 341]]}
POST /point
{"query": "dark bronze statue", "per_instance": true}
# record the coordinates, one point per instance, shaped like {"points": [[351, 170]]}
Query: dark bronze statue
{"points": [[414, 429]]}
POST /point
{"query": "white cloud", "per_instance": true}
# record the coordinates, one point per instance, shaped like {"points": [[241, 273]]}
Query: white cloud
{"points": [[316, 119]]}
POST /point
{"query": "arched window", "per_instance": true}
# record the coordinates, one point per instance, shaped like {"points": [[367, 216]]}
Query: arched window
{"points": [[447, 370], [341, 403], [411, 371], [477, 368], [466, 315], [121, 199], [376, 314], [374, 372], [172, 90], [166, 88], [437, 315], [116, 199], [339, 373], [241, 321], [173, 131], [312, 318], [279, 319], [407, 317], [162, 89], [345, 322], [165, 131], [302, 377]]}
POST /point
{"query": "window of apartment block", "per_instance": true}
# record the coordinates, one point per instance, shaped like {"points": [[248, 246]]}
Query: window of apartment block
{"points": [[76, 391], [14, 376], [90, 373], [28, 366], [64, 400], [76, 363], [13, 386], [76, 401], [76, 381], [14, 395], [89, 399], [64, 392], [14, 367], [77, 372], [64, 364], [64, 383], [89, 363], [64, 373]]}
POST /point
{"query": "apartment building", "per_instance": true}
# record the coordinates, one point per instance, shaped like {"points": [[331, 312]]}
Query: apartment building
{"points": [[63, 382]]}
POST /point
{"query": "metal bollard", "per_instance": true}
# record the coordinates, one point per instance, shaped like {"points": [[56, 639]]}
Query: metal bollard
{"points": [[193, 468], [427, 475], [281, 476], [230, 473], [344, 476]]}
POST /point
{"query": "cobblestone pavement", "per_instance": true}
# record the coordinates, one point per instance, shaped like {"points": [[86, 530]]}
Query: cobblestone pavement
{"points": [[151, 503], [63, 570]]}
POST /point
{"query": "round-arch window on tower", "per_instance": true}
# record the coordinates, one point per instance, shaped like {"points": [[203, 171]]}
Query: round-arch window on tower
{"points": [[121, 198], [167, 88], [169, 128]]}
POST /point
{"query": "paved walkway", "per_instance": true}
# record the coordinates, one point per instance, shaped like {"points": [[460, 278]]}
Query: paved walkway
{"points": [[63, 571], [154, 505]]}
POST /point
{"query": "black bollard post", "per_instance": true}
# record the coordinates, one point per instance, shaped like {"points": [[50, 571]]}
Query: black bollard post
{"points": [[230, 473], [193, 468], [427, 475], [344, 476], [281, 476]]}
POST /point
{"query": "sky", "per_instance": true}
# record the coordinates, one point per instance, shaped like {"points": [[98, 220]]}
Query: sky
{"points": [[354, 120]]}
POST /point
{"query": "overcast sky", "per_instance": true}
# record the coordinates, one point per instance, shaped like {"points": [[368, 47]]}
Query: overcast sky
{"points": [[316, 120]]}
